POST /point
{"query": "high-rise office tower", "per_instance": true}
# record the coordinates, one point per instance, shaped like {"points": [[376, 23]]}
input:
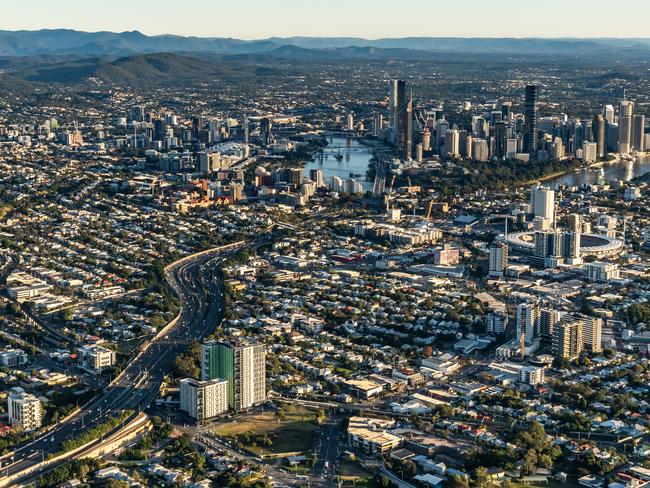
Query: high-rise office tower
{"points": [[612, 137], [608, 113], [426, 140], [511, 148], [197, 126], [393, 103], [598, 129], [397, 103], [625, 116], [480, 150], [318, 177], [377, 124], [265, 131], [442, 126], [531, 120], [405, 133], [557, 149], [506, 110], [452, 143], [567, 339], [500, 140], [638, 133], [158, 129], [242, 364]]}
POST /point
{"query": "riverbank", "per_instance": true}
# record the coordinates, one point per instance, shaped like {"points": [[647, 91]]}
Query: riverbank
{"points": [[614, 167]]}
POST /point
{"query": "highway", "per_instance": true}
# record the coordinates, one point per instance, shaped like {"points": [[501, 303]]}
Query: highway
{"points": [[197, 282]]}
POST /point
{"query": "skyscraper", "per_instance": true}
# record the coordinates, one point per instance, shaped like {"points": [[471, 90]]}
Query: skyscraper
{"points": [[598, 128], [265, 131], [608, 113], [626, 113], [452, 144], [442, 126], [318, 177], [405, 134], [480, 150], [397, 101], [377, 124], [638, 133], [500, 140], [243, 365], [531, 120]]}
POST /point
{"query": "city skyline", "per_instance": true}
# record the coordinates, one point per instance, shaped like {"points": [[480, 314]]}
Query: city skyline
{"points": [[325, 262], [289, 18]]}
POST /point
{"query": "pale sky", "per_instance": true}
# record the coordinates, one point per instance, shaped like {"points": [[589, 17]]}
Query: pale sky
{"points": [[256, 19]]}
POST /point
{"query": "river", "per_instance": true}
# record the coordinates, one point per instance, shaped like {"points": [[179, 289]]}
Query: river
{"points": [[355, 159], [610, 173]]}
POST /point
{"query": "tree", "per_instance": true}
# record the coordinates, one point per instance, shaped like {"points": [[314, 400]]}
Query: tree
{"points": [[456, 481], [382, 481], [65, 315], [408, 469], [529, 465], [280, 415], [481, 478], [320, 416]]}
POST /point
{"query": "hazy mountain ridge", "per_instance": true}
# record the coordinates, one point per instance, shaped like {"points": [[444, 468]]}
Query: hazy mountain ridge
{"points": [[72, 42], [156, 69]]}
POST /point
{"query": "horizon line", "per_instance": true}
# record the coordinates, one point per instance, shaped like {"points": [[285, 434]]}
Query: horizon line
{"points": [[297, 36]]}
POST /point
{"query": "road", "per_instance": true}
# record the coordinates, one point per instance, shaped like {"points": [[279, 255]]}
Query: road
{"points": [[278, 475], [198, 284], [326, 448]]}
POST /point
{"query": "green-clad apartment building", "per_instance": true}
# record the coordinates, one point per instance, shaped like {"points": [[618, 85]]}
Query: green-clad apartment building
{"points": [[242, 364]]}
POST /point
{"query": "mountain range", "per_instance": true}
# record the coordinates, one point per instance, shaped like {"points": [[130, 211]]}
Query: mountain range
{"points": [[63, 42]]}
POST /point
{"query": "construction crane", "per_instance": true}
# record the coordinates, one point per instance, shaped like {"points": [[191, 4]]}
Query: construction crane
{"points": [[429, 209], [392, 183]]}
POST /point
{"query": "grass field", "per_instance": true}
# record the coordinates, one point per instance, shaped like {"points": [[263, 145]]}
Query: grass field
{"points": [[353, 470], [264, 434]]}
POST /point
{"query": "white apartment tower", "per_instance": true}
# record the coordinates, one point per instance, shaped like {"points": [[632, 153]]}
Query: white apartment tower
{"points": [[542, 202], [204, 399], [527, 321], [24, 409]]}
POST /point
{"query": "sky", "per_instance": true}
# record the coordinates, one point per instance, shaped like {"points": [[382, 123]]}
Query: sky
{"points": [[371, 19]]}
